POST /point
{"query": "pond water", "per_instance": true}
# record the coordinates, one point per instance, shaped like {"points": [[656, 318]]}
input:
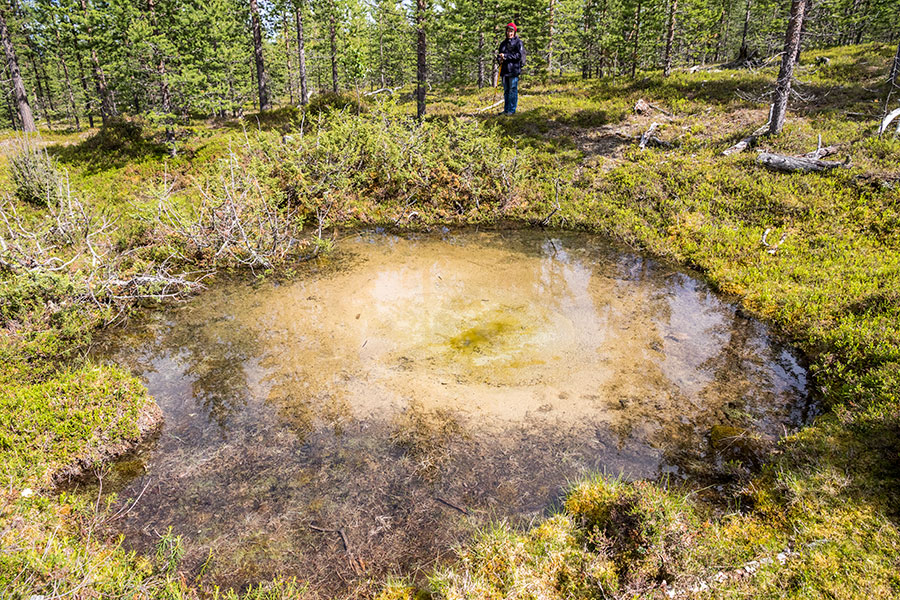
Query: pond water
{"points": [[364, 417]]}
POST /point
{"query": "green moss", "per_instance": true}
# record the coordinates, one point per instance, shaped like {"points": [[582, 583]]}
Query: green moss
{"points": [[75, 418]]}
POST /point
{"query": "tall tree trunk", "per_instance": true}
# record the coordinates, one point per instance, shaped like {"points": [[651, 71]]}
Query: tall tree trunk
{"points": [[42, 105], [637, 39], [262, 80], [601, 48], [332, 36], [12, 64], [165, 96], [9, 109], [786, 73], [107, 104], [586, 66], [43, 69], [744, 53], [65, 69], [301, 55], [550, 41], [480, 21], [421, 66], [88, 105], [670, 37], [289, 74]]}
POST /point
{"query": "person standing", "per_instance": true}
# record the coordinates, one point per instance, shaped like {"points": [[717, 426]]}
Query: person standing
{"points": [[510, 56]]}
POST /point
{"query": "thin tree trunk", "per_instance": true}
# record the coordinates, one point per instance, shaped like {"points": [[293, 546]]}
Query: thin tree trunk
{"points": [[42, 105], [587, 64], [786, 73], [12, 63], [601, 49], [480, 21], [43, 68], [332, 36], [262, 80], [637, 39], [550, 41], [745, 51], [421, 66], [88, 105], [65, 70], [289, 75], [107, 105], [670, 37], [301, 55]]}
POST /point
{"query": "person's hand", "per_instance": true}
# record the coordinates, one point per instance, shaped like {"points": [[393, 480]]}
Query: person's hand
{"points": [[502, 56]]}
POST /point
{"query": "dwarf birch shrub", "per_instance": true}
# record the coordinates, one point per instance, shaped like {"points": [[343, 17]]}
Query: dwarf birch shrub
{"points": [[456, 167]]}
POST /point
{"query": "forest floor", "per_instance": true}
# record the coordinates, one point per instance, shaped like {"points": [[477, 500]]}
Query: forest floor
{"points": [[819, 518]]}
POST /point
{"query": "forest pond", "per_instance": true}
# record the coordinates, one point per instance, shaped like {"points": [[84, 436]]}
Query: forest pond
{"points": [[365, 416]]}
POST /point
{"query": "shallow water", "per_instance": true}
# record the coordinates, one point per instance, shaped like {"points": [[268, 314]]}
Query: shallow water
{"points": [[409, 390]]}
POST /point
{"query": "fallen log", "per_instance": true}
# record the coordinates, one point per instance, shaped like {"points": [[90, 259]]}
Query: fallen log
{"points": [[798, 164]]}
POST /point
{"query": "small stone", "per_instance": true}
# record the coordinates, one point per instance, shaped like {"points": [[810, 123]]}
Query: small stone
{"points": [[28, 493], [781, 557]]}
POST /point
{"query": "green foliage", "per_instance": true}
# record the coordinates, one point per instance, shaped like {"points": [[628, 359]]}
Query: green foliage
{"points": [[73, 419], [326, 102]]}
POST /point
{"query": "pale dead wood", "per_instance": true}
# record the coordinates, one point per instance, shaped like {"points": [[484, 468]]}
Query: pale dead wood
{"points": [[648, 135], [487, 108], [750, 139], [772, 249], [383, 90], [798, 164], [887, 121]]}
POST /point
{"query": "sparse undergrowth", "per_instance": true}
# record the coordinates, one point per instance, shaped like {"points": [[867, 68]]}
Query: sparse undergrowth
{"points": [[818, 519]]}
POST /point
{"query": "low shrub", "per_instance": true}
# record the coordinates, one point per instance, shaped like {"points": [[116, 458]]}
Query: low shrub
{"points": [[35, 176]]}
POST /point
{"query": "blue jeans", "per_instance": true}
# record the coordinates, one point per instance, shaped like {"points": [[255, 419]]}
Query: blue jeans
{"points": [[510, 94]]}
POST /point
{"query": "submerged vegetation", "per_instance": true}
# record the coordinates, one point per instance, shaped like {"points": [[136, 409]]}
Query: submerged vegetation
{"points": [[817, 255]]}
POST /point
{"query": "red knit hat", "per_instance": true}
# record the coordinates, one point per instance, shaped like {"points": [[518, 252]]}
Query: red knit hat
{"points": [[513, 26]]}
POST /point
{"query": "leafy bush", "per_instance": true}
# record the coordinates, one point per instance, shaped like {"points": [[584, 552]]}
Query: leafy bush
{"points": [[35, 175]]}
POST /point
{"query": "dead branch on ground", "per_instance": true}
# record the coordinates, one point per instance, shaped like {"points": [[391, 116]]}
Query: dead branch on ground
{"points": [[798, 164]]}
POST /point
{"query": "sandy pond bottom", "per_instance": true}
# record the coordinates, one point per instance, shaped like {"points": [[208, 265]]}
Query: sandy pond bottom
{"points": [[408, 390]]}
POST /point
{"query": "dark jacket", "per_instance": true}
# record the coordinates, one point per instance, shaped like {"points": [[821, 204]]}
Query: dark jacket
{"points": [[512, 49]]}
